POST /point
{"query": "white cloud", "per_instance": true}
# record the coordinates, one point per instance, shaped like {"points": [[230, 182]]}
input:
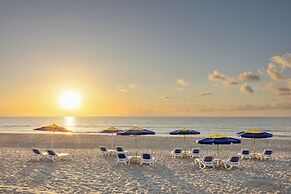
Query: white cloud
{"points": [[166, 97], [273, 73], [246, 89], [131, 86], [122, 89], [201, 94], [126, 88], [283, 60], [219, 77], [182, 82], [248, 76]]}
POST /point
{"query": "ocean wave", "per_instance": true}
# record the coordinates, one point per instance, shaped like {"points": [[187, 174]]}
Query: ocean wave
{"points": [[7, 126]]}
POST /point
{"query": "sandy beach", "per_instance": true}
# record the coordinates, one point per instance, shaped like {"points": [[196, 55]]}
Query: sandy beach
{"points": [[87, 171]]}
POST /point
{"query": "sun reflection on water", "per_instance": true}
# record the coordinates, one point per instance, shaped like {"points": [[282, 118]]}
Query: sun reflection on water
{"points": [[69, 122]]}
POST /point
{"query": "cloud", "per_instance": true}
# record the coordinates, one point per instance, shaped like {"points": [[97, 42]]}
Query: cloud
{"points": [[250, 107], [219, 77], [201, 94], [273, 73], [245, 88], [279, 90], [124, 89], [248, 76], [262, 72], [182, 82], [131, 86], [285, 94], [283, 60], [166, 97]]}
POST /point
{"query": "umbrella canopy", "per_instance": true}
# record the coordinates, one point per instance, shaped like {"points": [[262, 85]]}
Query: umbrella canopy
{"points": [[218, 139], [111, 130], [254, 134], [136, 131], [184, 131], [53, 128]]}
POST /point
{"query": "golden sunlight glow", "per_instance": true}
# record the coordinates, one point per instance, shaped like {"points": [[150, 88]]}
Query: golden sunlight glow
{"points": [[70, 100]]}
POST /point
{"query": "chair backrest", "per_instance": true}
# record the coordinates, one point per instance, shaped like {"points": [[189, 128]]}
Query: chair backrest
{"points": [[196, 151], [121, 156], [245, 152], [208, 159], [268, 152], [178, 151], [103, 149], [36, 151], [51, 152], [146, 156], [119, 149], [234, 159]]}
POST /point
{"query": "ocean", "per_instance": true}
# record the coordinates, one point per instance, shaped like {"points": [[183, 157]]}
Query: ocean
{"points": [[279, 126]]}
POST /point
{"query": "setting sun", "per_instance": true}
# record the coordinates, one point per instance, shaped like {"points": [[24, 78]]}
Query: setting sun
{"points": [[70, 100]]}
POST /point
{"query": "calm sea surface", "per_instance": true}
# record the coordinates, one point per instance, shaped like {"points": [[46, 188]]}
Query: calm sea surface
{"points": [[279, 126]]}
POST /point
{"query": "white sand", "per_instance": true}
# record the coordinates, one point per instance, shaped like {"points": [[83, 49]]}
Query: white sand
{"points": [[86, 171]]}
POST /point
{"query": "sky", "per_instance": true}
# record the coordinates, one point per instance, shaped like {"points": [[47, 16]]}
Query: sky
{"points": [[146, 58]]}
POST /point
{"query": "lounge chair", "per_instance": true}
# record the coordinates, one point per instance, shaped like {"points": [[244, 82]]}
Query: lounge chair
{"points": [[207, 161], [147, 158], [195, 153], [267, 154], [177, 152], [232, 162], [122, 158], [105, 151], [38, 155], [53, 156], [120, 149], [245, 154]]}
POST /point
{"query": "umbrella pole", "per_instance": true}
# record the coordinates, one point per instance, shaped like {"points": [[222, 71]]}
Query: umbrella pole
{"points": [[185, 144], [218, 151], [136, 146], [254, 145], [52, 143], [111, 141]]}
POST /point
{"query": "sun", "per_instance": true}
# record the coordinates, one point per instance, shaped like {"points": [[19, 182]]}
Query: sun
{"points": [[70, 100]]}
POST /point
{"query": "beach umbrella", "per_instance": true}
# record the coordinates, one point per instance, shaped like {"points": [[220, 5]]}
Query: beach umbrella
{"points": [[184, 132], [218, 139], [111, 130], [135, 131], [254, 134], [53, 128]]}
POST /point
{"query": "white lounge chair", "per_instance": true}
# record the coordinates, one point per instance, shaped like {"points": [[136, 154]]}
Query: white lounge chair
{"points": [[267, 154], [106, 152], [195, 153], [245, 154], [147, 158], [122, 158], [120, 149], [38, 155], [177, 152], [53, 156], [232, 162], [207, 161]]}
